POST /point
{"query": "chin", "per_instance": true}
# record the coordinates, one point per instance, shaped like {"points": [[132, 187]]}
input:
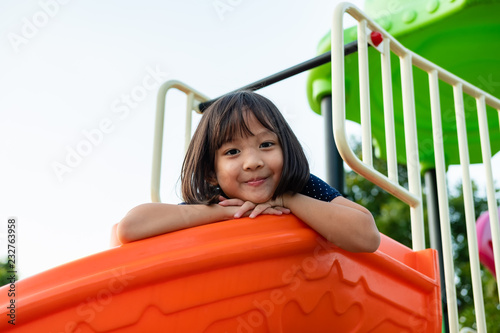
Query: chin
{"points": [[260, 200]]}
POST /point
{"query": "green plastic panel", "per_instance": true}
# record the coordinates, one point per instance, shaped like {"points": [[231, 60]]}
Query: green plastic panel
{"points": [[462, 37]]}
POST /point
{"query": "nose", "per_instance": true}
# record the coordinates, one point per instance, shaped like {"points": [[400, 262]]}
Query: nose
{"points": [[253, 160]]}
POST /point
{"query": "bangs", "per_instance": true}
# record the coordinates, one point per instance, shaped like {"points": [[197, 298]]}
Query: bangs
{"points": [[233, 122]]}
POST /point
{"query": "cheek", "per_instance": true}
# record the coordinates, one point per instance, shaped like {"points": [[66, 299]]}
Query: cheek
{"points": [[278, 162], [224, 170]]}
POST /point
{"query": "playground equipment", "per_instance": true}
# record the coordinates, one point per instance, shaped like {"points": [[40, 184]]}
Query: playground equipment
{"points": [[274, 274], [264, 275]]}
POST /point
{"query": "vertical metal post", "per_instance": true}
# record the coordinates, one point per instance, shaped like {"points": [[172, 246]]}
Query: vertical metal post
{"points": [[470, 218], [435, 235], [450, 310], [334, 163], [412, 159]]}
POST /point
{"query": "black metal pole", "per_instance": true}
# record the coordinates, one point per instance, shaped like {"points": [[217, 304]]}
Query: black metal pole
{"points": [[284, 74], [435, 234], [334, 163]]}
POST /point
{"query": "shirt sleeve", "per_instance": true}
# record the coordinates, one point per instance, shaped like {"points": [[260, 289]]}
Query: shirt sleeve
{"points": [[318, 189]]}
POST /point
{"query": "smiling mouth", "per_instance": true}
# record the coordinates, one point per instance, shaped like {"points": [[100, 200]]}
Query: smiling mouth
{"points": [[256, 182]]}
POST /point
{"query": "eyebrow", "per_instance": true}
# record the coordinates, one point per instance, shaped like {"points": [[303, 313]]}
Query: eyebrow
{"points": [[264, 131]]}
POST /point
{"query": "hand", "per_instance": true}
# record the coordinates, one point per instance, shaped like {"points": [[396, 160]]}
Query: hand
{"points": [[272, 207]]}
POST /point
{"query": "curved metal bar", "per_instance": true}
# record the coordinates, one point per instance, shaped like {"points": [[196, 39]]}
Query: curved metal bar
{"points": [[193, 99]]}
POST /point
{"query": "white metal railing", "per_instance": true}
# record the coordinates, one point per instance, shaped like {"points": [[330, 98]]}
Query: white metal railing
{"points": [[413, 196], [194, 98]]}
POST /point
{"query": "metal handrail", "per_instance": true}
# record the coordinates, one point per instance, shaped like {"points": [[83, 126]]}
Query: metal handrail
{"points": [[193, 99]]}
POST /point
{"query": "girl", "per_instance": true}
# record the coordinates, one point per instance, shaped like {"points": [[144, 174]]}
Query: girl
{"points": [[244, 160]]}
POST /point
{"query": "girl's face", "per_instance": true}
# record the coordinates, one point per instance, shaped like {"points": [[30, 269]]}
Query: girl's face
{"points": [[249, 168]]}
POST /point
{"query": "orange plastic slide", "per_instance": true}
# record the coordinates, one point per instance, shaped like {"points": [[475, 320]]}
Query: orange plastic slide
{"points": [[269, 274]]}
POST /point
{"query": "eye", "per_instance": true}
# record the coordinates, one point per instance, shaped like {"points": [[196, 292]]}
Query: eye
{"points": [[231, 152], [267, 144]]}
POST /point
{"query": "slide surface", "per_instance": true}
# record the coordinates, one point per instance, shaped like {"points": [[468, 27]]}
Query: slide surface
{"points": [[269, 274]]}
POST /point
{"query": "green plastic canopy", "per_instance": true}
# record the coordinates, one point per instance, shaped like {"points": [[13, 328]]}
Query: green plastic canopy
{"points": [[462, 37]]}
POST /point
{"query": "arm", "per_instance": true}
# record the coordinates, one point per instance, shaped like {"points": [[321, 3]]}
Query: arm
{"points": [[341, 221], [152, 219]]}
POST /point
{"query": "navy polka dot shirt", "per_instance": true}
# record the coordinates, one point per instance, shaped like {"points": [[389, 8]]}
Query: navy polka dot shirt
{"points": [[318, 189]]}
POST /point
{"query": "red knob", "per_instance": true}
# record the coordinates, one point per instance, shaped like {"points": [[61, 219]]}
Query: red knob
{"points": [[376, 38]]}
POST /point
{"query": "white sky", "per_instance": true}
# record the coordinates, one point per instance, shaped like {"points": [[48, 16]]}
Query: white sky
{"points": [[71, 73]]}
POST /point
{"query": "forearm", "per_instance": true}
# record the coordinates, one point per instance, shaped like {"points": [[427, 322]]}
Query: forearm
{"points": [[153, 219], [342, 222]]}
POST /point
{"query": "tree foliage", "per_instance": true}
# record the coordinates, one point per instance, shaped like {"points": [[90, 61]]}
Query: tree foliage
{"points": [[5, 270], [393, 219]]}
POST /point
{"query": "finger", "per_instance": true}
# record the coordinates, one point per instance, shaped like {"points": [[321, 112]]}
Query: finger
{"points": [[276, 211], [259, 209], [272, 211], [245, 207], [231, 202], [283, 210]]}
